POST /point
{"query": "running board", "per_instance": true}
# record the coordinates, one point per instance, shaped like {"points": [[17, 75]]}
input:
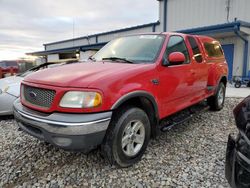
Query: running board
{"points": [[182, 116]]}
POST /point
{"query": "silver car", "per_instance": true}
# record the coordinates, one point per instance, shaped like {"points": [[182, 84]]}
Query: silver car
{"points": [[9, 92], [10, 87]]}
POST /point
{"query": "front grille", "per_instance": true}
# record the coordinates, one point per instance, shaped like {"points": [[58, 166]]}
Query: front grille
{"points": [[38, 96]]}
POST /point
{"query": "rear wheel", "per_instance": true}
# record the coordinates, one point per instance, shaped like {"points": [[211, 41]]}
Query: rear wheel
{"points": [[237, 84], [216, 102], [127, 137]]}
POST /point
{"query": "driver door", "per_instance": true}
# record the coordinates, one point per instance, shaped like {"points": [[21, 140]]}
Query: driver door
{"points": [[176, 81]]}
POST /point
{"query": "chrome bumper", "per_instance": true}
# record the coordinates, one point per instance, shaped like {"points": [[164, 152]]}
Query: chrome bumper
{"points": [[62, 123], [68, 131]]}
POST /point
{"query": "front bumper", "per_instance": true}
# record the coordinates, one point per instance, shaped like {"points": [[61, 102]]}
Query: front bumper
{"points": [[6, 104], [238, 161], [67, 131]]}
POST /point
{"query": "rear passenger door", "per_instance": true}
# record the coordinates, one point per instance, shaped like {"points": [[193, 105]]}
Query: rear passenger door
{"points": [[199, 67]]}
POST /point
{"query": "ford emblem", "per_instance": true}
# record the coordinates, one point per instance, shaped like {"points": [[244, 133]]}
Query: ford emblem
{"points": [[32, 95]]}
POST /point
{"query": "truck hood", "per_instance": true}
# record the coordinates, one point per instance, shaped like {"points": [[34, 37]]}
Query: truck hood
{"points": [[83, 74]]}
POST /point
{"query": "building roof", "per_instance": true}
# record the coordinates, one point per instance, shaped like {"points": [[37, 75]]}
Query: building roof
{"points": [[219, 28]]}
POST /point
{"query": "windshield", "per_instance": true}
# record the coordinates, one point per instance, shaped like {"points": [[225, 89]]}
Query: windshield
{"points": [[139, 48]]}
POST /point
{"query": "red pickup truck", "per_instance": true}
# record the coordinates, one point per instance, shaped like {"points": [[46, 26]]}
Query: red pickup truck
{"points": [[118, 99]]}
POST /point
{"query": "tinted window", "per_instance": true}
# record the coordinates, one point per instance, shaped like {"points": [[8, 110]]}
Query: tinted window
{"points": [[195, 48], [213, 49], [177, 44]]}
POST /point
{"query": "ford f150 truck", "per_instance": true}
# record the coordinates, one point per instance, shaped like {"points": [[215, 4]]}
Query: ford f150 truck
{"points": [[118, 99]]}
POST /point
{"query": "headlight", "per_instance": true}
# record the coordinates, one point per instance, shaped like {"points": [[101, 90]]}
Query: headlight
{"points": [[79, 99]]}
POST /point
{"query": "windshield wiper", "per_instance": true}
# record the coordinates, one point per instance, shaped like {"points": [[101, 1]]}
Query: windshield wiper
{"points": [[118, 59]]}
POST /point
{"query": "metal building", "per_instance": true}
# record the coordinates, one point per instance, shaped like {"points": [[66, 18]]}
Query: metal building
{"points": [[225, 20]]}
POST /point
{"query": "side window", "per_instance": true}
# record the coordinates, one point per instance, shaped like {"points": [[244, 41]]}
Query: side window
{"points": [[213, 49], [177, 44], [195, 48]]}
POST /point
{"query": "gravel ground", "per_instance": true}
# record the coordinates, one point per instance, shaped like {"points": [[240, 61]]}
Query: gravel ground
{"points": [[189, 155]]}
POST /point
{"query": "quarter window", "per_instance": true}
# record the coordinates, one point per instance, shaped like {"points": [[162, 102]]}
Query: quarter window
{"points": [[213, 49], [177, 44], [195, 49]]}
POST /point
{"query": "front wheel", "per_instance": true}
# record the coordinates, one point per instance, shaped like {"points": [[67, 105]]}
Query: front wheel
{"points": [[127, 137], [216, 102]]}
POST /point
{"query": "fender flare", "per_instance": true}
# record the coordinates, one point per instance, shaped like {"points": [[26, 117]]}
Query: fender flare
{"points": [[219, 80], [134, 94], [215, 88]]}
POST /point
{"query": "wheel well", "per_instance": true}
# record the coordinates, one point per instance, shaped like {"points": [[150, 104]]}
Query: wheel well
{"points": [[224, 80], [145, 104]]}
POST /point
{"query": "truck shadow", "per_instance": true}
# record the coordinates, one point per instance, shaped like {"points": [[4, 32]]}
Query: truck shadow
{"points": [[6, 117]]}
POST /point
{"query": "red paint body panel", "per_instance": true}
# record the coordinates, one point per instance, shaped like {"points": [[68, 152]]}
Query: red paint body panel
{"points": [[179, 86]]}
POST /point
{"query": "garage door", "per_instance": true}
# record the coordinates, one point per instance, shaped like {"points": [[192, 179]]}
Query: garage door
{"points": [[229, 54]]}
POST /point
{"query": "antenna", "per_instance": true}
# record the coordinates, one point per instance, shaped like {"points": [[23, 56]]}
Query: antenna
{"points": [[73, 29], [228, 9]]}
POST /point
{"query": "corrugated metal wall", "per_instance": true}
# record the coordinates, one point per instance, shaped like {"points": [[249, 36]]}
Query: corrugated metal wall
{"points": [[185, 14]]}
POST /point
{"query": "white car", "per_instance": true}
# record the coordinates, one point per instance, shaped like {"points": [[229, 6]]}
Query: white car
{"points": [[10, 87]]}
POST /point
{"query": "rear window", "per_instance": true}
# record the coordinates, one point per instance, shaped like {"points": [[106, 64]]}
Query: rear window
{"points": [[213, 49]]}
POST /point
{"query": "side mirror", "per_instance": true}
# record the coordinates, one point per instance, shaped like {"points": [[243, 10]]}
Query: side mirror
{"points": [[176, 58]]}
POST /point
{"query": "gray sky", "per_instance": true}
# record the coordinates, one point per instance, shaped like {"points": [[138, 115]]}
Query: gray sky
{"points": [[25, 25]]}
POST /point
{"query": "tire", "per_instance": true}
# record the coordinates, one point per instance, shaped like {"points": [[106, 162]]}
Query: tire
{"points": [[248, 84], [216, 102], [237, 84], [120, 132]]}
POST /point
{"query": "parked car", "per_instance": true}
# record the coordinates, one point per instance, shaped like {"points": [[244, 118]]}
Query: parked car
{"points": [[118, 99], [10, 88], [6, 67], [238, 150]]}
